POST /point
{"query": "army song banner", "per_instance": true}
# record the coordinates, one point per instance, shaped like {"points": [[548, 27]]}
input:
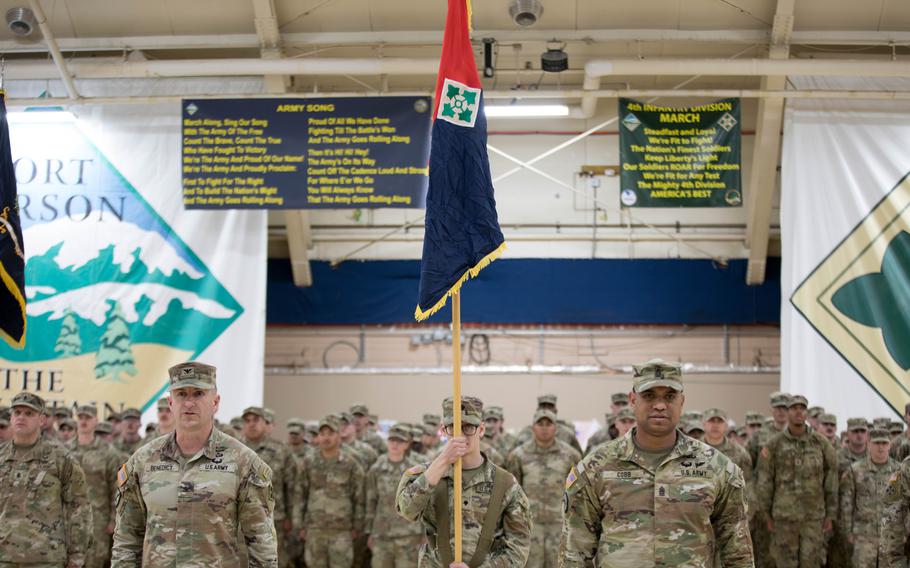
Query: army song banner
{"points": [[845, 224], [680, 157], [121, 281]]}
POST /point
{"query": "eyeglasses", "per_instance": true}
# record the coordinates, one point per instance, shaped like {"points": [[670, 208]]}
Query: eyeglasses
{"points": [[466, 429]]}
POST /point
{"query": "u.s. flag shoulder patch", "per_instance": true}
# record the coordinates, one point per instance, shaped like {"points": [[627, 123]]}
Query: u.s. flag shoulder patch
{"points": [[458, 103], [571, 478], [416, 470], [122, 476]]}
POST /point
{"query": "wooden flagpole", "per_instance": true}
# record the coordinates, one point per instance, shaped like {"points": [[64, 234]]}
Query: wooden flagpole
{"points": [[456, 414]]}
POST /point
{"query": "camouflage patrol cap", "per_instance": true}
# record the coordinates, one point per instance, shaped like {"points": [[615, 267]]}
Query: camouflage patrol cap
{"points": [[433, 419], [827, 418], [546, 399], [295, 428], [131, 413], [360, 409], [625, 414], [191, 374], [494, 412], [619, 397], [296, 422], [67, 423], [237, 423], [114, 417], [254, 410], [28, 400], [330, 421], [104, 427], [881, 422], [544, 413], [345, 417], [879, 435], [896, 427], [401, 432], [86, 410], [715, 413], [610, 418], [816, 411], [754, 419], [656, 373], [312, 429], [164, 403], [373, 419], [854, 424], [767, 421], [471, 411], [780, 399], [798, 399], [269, 415], [62, 412], [692, 426], [691, 415], [418, 430], [740, 431]]}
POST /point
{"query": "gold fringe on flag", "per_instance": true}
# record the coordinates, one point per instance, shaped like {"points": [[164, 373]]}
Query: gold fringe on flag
{"points": [[421, 315]]}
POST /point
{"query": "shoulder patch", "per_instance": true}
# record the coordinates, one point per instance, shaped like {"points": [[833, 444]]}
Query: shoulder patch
{"points": [[415, 470], [765, 453], [122, 476]]}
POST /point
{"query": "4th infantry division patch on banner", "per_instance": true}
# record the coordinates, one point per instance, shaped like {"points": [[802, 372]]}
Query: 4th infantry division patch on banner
{"points": [[459, 104], [858, 298]]}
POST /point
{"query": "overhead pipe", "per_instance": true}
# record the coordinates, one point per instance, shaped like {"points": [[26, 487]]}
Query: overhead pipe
{"points": [[59, 63], [748, 67], [291, 370]]}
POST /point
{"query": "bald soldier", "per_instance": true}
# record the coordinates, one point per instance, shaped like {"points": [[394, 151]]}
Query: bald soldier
{"points": [[655, 497], [497, 516], [184, 499]]}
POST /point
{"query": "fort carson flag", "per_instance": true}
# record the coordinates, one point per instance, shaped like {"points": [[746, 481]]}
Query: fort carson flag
{"points": [[462, 232], [12, 257]]}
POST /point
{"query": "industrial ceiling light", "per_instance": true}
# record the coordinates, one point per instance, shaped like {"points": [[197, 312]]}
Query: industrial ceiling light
{"points": [[525, 13], [555, 59], [21, 21]]}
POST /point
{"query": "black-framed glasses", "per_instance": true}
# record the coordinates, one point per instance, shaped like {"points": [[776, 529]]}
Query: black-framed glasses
{"points": [[466, 430]]}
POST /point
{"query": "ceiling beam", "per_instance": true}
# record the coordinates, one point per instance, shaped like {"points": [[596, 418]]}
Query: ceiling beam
{"points": [[299, 241], [265, 20], [766, 152]]}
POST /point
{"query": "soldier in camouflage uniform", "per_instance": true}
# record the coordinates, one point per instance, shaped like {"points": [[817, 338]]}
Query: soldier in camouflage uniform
{"points": [[99, 462], [361, 416], [655, 497], [540, 467], [494, 434], [429, 440], [364, 453], [45, 516], [330, 503], [813, 413], [827, 427], [895, 429], [900, 446], [797, 491], [715, 425], [840, 551], [186, 498], [67, 431], [129, 439], [6, 432], [427, 488], [754, 422], [393, 540], [895, 517], [761, 537], [862, 489], [284, 473], [297, 438], [565, 431]]}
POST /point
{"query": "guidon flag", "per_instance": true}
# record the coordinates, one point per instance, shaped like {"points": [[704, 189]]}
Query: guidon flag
{"points": [[12, 256], [462, 232]]}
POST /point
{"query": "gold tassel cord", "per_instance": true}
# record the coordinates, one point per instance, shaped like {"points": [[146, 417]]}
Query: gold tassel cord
{"points": [[468, 6], [421, 315]]}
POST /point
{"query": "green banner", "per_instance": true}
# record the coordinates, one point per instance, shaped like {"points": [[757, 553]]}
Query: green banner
{"points": [[680, 157]]}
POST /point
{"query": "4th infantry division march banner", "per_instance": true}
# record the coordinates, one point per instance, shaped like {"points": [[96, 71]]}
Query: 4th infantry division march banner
{"points": [[845, 223], [680, 157], [121, 281]]}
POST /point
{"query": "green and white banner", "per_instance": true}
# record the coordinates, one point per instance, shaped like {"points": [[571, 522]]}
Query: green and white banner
{"points": [[680, 157], [121, 281]]}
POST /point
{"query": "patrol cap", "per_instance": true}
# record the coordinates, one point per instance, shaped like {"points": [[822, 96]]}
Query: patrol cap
{"points": [[854, 424], [656, 373], [62, 412], [330, 421], [780, 399], [426, 429], [237, 423], [104, 427], [131, 413], [816, 411], [880, 422], [693, 426], [610, 418], [295, 428], [715, 413], [296, 422], [754, 419], [546, 399], [494, 412], [401, 432], [625, 414], [692, 415], [827, 418], [114, 417], [619, 397], [740, 431], [312, 429], [471, 411], [896, 427], [67, 423], [86, 410], [418, 430], [269, 415], [879, 435], [433, 419], [798, 399], [28, 400], [360, 409], [163, 403], [767, 421], [191, 374], [544, 413], [345, 417], [373, 419]]}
